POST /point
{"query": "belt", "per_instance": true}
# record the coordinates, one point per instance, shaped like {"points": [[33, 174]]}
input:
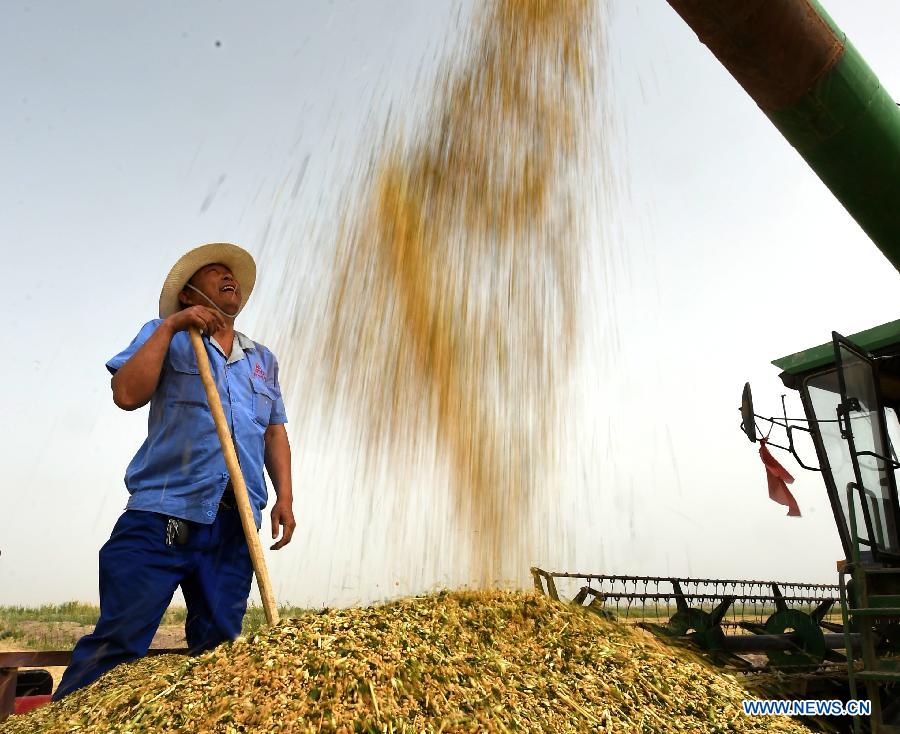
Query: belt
{"points": [[228, 500]]}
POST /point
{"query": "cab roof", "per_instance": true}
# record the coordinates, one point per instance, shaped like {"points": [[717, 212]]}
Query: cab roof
{"points": [[872, 340]]}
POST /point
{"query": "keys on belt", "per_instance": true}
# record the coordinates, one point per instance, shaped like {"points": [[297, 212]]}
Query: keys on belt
{"points": [[177, 531]]}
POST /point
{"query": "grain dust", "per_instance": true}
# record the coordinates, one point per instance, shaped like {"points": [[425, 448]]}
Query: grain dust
{"points": [[455, 310]]}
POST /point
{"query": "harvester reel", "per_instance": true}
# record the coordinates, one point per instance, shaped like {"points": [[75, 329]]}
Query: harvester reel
{"points": [[699, 626], [808, 639]]}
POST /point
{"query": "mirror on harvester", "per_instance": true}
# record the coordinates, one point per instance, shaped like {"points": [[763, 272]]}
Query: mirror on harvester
{"points": [[748, 424]]}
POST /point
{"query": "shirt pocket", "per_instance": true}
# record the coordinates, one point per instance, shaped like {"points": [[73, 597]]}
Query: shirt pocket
{"points": [[184, 384], [263, 400]]}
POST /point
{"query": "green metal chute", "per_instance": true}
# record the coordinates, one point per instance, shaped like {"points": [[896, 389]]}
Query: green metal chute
{"points": [[814, 86]]}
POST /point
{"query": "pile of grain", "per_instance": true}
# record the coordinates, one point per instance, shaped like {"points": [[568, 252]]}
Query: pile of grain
{"points": [[451, 662]]}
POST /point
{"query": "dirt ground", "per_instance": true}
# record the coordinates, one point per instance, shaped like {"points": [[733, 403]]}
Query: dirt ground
{"points": [[166, 636]]}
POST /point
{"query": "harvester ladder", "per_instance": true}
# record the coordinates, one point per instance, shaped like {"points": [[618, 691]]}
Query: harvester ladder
{"points": [[875, 596]]}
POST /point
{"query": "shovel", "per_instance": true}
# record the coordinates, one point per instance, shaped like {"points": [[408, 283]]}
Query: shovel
{"points": [[237, 479]]}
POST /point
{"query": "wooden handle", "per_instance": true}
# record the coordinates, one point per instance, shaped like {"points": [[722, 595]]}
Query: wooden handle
{"points": [[237, 479]]}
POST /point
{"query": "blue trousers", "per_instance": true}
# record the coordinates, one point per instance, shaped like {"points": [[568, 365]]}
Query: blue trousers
{"points": [[138, 576]]}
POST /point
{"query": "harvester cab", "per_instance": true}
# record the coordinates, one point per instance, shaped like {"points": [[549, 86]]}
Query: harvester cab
{"points": [[850, 391]]}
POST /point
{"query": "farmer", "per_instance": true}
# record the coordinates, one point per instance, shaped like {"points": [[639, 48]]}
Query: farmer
{"points": [[181, 526]]}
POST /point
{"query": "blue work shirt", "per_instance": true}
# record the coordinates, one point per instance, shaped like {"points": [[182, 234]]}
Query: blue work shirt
{"points": [[180, 469]]}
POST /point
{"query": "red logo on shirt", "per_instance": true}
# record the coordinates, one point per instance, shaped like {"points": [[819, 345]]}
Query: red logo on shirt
{"points": [[259, 372]]}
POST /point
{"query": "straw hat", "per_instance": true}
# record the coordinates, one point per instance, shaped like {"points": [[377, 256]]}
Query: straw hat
{"points": [[235, 258]]}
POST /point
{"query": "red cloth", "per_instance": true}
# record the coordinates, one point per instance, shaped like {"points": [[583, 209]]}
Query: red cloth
{"points": [[778, 478], [24, 704]]}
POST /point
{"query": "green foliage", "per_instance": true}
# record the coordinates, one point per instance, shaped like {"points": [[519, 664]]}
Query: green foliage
{"points": [[70, 611], [59, 626], [255, 618]]}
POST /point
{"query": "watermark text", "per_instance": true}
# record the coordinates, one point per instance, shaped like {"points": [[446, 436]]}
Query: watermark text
{"points": [[810, 707]]}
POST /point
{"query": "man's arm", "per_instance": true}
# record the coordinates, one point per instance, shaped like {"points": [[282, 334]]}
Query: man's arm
{"points": [[135, 381], [278, 464]]}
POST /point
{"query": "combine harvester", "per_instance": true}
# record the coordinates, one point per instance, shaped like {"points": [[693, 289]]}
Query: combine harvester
{"points": [[816, 89]]}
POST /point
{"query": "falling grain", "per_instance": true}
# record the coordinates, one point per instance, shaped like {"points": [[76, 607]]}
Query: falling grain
{"points": [[455, 308]]}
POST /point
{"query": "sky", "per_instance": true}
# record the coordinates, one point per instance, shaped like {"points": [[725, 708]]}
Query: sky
{"points": [[132, 133]]}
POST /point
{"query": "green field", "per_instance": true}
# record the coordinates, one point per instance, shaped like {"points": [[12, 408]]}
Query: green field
{"points": [[58, 626]]}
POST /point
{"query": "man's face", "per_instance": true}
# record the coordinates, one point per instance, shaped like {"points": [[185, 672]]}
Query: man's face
{"points": [[217, 283]]}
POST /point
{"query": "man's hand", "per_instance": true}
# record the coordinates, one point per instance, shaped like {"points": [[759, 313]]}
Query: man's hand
{"points": [[205, 319], [283, 518], [278, 464]]}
